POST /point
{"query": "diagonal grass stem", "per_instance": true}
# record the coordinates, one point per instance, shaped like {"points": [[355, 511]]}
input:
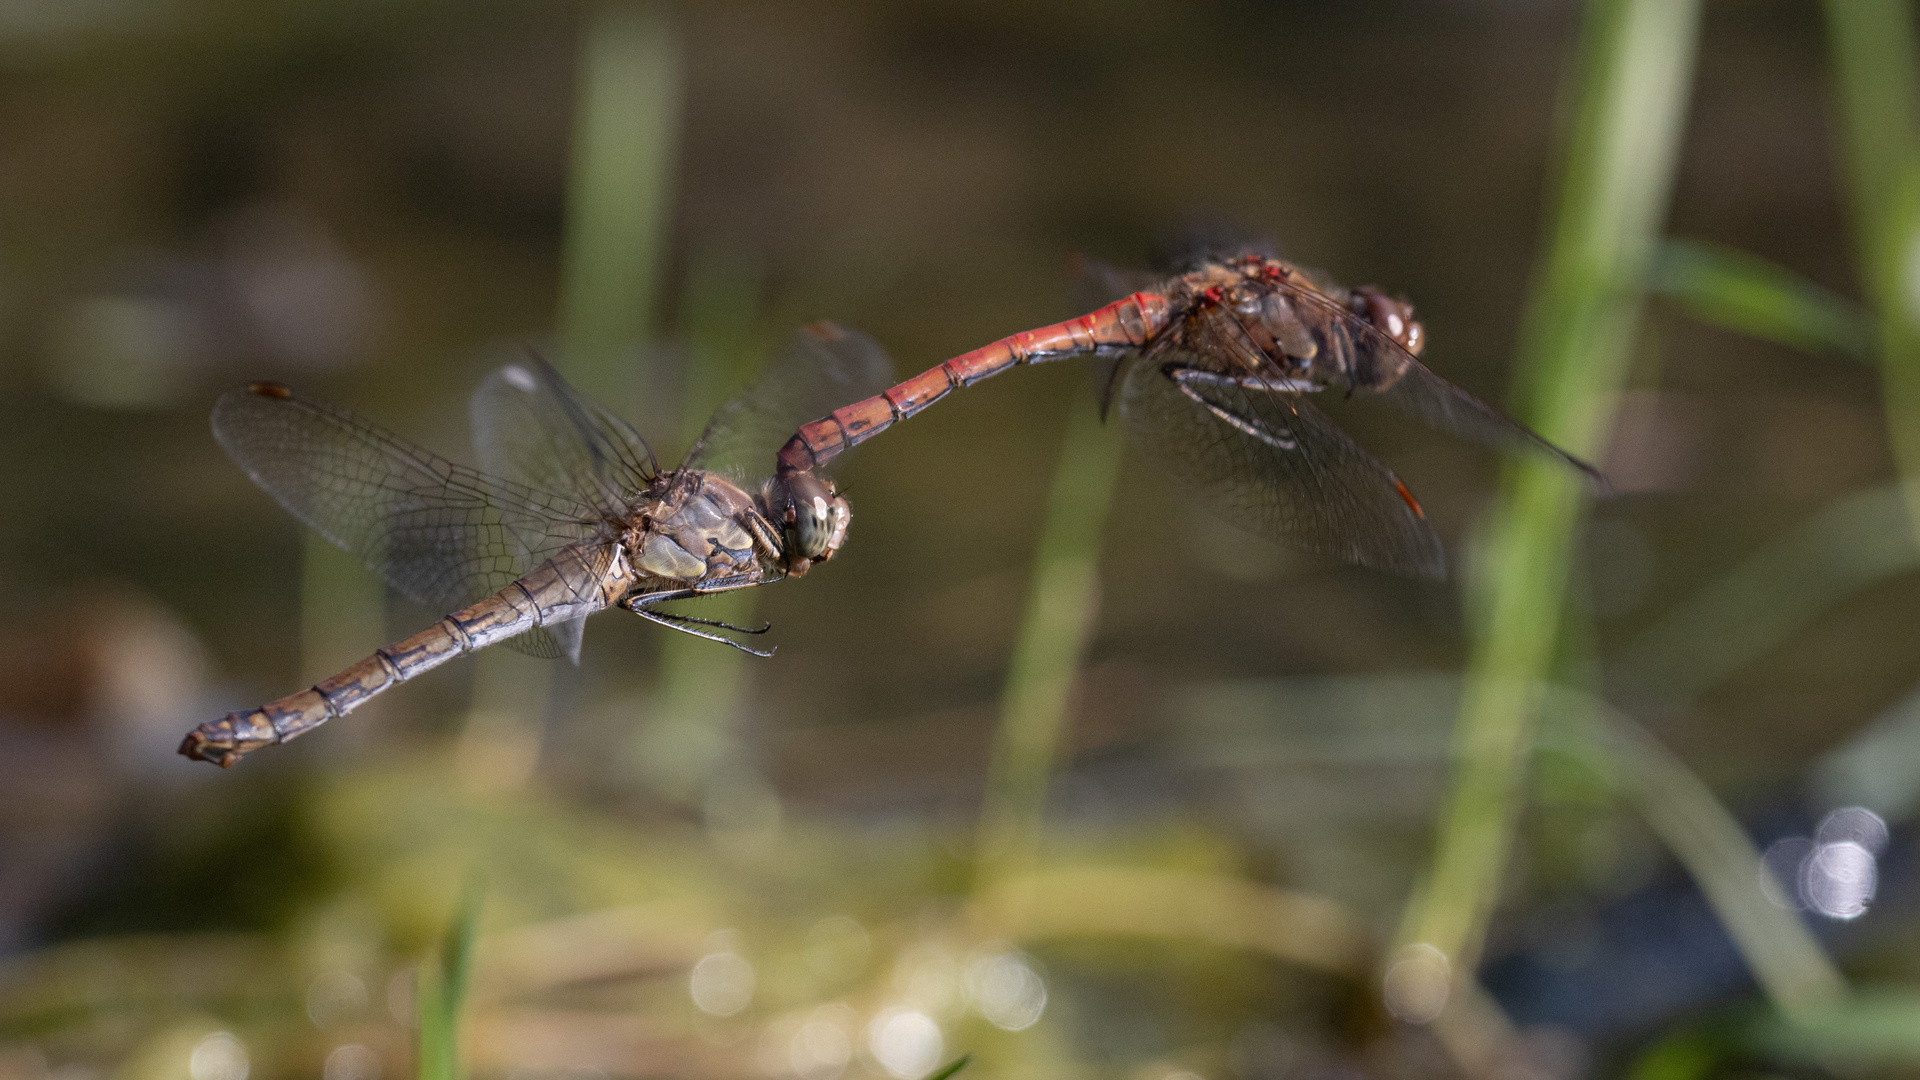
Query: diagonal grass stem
{"points": [[1062, 609], [1634, 70], [1878, 75]]}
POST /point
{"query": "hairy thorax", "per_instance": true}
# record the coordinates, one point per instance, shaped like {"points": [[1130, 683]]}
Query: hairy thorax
{"points": [[701, 528], [1278, 324]]}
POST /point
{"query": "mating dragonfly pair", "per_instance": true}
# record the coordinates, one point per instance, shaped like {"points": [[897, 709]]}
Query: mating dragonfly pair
{"points": [[1211, 371]]}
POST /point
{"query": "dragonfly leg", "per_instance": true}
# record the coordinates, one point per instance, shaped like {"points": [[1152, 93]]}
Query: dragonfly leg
{"points": [[1264, 383], [677, 617], [725, 584], [1186, 378], [643, 604]]}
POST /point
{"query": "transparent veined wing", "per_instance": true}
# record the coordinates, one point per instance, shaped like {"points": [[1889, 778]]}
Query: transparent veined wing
{"points": [[1271, 463], [1418, 392], [441, 534], [533, 429], [821, 368]]}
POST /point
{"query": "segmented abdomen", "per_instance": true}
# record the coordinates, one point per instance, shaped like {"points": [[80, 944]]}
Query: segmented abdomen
{"points": [[572, 584], [1127, 322]]}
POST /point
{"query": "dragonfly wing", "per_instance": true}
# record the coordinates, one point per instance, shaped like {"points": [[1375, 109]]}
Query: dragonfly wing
{"points": [[566, 638], [1272, 463], [1439, 404], [534, 430], [438, 533], [1418, 392], [821, 368], [1096, 284]]}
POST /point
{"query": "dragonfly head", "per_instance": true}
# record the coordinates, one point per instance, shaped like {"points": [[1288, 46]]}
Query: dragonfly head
{"points": [[1391, 317], [814, 516]]}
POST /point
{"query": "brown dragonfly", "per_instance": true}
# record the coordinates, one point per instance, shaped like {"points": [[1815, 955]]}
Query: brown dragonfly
{"points": [[571, 514], [1212, 371]]}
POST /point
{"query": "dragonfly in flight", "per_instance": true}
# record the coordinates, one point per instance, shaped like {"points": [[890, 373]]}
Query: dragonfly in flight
{"points": [[571, 514], [1213, 371]]}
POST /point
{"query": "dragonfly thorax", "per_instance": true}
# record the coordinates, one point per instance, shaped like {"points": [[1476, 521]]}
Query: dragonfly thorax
{"points": [[697, 526], [1294, 332]]}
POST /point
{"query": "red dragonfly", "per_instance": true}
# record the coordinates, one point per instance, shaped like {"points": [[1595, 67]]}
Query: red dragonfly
{"points": [[1212, 373], [572, 515]]}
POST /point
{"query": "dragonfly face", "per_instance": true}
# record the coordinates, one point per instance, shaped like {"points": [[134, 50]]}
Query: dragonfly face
{"points": [[1392, 317], [815, 516]]}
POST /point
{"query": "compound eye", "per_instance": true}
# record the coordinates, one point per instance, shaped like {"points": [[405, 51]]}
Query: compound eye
{"points": [[816, 517], [1393, 318], [1416, 338]]}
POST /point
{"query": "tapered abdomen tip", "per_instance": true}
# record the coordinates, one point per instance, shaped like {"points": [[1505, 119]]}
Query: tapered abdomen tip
{"points": [[228, 739]]}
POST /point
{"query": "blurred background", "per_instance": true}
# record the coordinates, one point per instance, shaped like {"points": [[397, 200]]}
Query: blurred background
{"points": [[1052, 766]]}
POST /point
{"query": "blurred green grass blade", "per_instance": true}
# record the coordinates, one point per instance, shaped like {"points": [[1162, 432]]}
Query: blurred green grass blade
{"points": [[618, 198], [618, 193], [1876, 1031], [948, 1070], [1849, 544], [441, 998], [1320, 724], [1878, 766], [1749, 295], [1689, 1054], [689, 733], [1063, 604], [342, 608], [1876, 80], [1783, 955], [1877, 74], [1635, 70]]}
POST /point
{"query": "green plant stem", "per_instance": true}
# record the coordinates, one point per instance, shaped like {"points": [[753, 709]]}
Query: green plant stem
{"points": [[689, 732], [1635, 68], [625, 121], [342, 618], [441, 997], [342, 609], [1783, 955], [1877, 76], [1062, 609], [1749, 295], [1875, 79], [618, 193], [1852, 543]]}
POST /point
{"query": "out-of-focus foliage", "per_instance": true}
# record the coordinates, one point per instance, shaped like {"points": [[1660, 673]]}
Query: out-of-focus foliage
{"points": [[1753, 296], [1021, 792]]}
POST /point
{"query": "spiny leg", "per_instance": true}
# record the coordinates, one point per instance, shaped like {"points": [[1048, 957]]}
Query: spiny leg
{"points": [[1262, 383], [1182, 377], [1186, 378], [677, 617], [720, 585], [642, 605]]}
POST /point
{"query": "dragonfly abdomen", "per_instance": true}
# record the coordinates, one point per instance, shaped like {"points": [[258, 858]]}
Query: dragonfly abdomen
{"points": [[1124, 323], [559, 589]]}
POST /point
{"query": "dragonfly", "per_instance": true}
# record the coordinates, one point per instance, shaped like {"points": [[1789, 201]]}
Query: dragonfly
{"points": [[570, 514], [1213, 371]]}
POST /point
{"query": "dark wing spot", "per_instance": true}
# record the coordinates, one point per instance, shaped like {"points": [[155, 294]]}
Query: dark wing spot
{"points": [[270, 390]]}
